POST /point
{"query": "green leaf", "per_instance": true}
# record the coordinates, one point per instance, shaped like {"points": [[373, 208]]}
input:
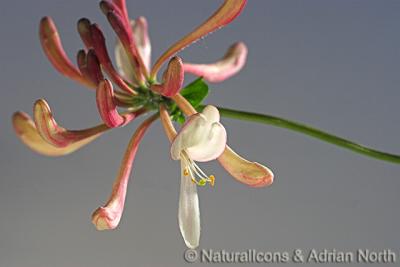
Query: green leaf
{"points": [[178, 117], [195, 92]]}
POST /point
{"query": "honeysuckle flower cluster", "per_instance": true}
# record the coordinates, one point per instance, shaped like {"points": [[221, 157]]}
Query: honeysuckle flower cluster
{"points": [[131, 89]]}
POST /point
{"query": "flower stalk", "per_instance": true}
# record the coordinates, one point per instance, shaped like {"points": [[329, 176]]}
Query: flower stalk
{"points": [[310, 131]]}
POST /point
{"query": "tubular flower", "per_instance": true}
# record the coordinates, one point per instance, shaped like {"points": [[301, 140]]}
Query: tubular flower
{"points": [[133, 90], [202, 138]]}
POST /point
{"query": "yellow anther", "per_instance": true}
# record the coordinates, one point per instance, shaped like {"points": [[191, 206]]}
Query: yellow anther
{"points": [[212, 180], [185, 172], [194, 181]]}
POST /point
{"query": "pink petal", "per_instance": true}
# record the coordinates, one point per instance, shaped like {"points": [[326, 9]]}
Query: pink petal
{"points": [[26, 131], [109, 216], [172, 79], [229, 10], [52, 46], [229, 65], [58, 136], [249, 173], [99, 45], [107, 107]]}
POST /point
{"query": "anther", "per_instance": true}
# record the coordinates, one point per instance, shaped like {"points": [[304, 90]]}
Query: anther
{"points": [[212, 180], [186, 172]]}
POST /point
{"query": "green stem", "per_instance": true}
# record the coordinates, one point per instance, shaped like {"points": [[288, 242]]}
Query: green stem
{"points": [[304, 129]]}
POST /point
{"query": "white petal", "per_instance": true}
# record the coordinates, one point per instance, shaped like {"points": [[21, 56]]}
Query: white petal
{"points": [[141, 36], [202, 136], [211, 113], [189, 211], [191, 134], [212, 146], [124, 67]]}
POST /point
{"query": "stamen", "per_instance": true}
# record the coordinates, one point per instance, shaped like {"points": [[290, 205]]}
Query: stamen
{"points": [[196, 174]]}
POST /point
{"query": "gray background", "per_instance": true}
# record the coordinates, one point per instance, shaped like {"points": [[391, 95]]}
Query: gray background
{"points": [[332, 64]]}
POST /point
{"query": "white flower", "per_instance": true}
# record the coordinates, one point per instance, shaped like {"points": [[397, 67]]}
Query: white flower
{"points": [[202, 138]]}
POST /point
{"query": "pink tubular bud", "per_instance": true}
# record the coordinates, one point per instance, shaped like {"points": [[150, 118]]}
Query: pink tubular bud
{"points": [[84, 32], [99, 45], [172, 79], [121, 4], [81, 59], [52, 46], [109, 216], [107, 106], [107, 7], [93, 67]]}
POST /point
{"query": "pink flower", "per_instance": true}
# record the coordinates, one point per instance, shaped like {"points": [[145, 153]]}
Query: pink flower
{"points": [[133, 87]]}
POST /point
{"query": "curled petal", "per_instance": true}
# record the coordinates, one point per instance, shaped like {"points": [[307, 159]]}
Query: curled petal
{"points": [[189, 211], [229, 65], [58, 136], [52, 46], [249, 173], [229, 10], [108, 216], [172, 79], [99, 45], [84, 32], [29, 135], [106, 103]]}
